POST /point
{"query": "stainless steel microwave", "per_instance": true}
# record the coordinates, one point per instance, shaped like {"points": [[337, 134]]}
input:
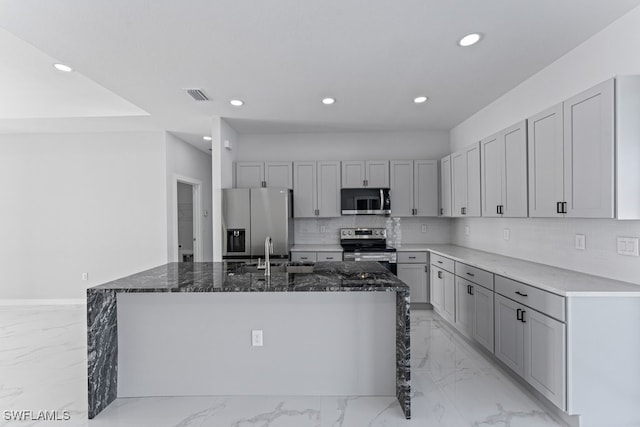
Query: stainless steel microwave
{"points": [[365, 201]]}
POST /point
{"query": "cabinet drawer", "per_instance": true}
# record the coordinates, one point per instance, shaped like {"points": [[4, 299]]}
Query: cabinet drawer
{"points": [[442, 262], [303, 256], [329, 256], [480, 277], [412, 257], [543, 301]]}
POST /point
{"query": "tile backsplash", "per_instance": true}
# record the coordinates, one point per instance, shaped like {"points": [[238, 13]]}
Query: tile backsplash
{"points": [[407, 231]]}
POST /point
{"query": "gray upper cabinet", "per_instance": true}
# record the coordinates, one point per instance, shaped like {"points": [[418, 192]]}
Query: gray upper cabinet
{"points": [[465, 181], [571, 157], [264, 174], [316, 190], [362, 174], [445, 186], [249, 174], [546, 162], [504, 172], [588, 153], [414, 187]]}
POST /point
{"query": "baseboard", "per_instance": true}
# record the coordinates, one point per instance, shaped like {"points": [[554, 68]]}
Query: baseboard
{"points": [[34, 302]]}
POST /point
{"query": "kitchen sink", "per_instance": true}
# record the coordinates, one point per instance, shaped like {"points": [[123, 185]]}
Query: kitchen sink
{"points": [[277, 268]]}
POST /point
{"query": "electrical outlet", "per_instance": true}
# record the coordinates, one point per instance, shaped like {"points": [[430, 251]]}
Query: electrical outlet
{"points": [[467, 230], [256, 338], [628, 246], [423, 228], [323, 229], [506, 234], [85, 276], [581, 244]]}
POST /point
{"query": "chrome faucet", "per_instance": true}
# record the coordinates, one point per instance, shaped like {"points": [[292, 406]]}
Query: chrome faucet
{"points": [[268, 250]]}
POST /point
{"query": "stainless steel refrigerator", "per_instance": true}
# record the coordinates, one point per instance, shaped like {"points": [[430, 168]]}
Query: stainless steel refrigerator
{"points": [[249, 215]]}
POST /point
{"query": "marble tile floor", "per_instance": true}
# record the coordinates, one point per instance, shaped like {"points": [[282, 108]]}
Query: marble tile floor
{"points": [[43, 367]]}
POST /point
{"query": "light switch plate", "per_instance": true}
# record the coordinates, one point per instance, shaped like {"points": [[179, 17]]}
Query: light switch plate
{"points": [[323, 229], [506, 234], [423, 228], [581, 243], [467, 230], [628, 246]]}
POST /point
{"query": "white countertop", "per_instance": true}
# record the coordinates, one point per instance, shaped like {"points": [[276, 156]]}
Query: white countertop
{"points": [[552, 279], [316, 248]]}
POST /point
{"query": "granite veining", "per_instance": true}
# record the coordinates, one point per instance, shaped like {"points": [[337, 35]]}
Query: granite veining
{"points": [[229, 276]]}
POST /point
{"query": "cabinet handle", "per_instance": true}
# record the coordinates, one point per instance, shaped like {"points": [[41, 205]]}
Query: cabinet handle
{"points": [[522, 317], [519, 314], [439, 274], [412, 257], [498, 209], [501, 209], [303, 257], [439, 262], [463, 211], [558, 207], [441, 211], [470, 289], [470, 274], [426, 268], [564, 207], [329, 257], [521, 294]]}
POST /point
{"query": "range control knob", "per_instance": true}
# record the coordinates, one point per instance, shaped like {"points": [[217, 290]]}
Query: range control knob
{"points": [[376, 232], [350, 232]]}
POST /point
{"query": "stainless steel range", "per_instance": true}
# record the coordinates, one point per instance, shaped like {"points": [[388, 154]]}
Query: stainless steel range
{"points": [[368, 244]]}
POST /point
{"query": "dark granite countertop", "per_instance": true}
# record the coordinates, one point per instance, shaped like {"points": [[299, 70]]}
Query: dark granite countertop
{"points": [[229, 276]]}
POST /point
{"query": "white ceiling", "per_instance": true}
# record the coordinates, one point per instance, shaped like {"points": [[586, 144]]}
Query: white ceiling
{"points": [[281, 57]]}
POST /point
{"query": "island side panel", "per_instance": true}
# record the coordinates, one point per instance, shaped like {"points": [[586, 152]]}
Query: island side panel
{"points": [[403, 352], [102, 349]]}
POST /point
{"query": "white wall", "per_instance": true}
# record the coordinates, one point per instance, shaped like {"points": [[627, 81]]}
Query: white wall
{"points": [[186, 161], [74, 203], [343, 146], [613, 51]]}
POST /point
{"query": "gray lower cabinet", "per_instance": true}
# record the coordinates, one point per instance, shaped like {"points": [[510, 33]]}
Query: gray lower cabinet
{"points": [[474, 312], [443, 293], [415, 275], [532, 345]]}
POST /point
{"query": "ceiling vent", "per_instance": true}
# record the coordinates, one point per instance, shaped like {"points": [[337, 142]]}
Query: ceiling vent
{"points": [[197, 94]]}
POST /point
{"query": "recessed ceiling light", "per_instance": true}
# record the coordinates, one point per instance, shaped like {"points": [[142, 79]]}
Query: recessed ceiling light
{"points": [[62, 67], [470, 39], [207, 138], [328, 101], [420, 99], [236, 102]]}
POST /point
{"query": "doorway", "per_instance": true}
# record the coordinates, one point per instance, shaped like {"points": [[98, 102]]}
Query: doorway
{"points": [[187, 238]]}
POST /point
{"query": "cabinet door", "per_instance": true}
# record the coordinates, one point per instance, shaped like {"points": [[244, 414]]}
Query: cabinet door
{"points": [[415, 276], [483, 317], [328, 186], [402, 203], [449, 297], [304, 190], [509, 334], [588, 152], [544, 356], [352, 174], [546, 162], [377, 173], [445, 186], [514, 170], [459, 183], [249, 174], [492, 162], [303, 257], [437, 288], [425, 187], [464, 306], [473, 180], [278, 174]]}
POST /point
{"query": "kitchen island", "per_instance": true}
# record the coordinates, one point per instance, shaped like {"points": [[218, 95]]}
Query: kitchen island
{"points": [[350, 285]]}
